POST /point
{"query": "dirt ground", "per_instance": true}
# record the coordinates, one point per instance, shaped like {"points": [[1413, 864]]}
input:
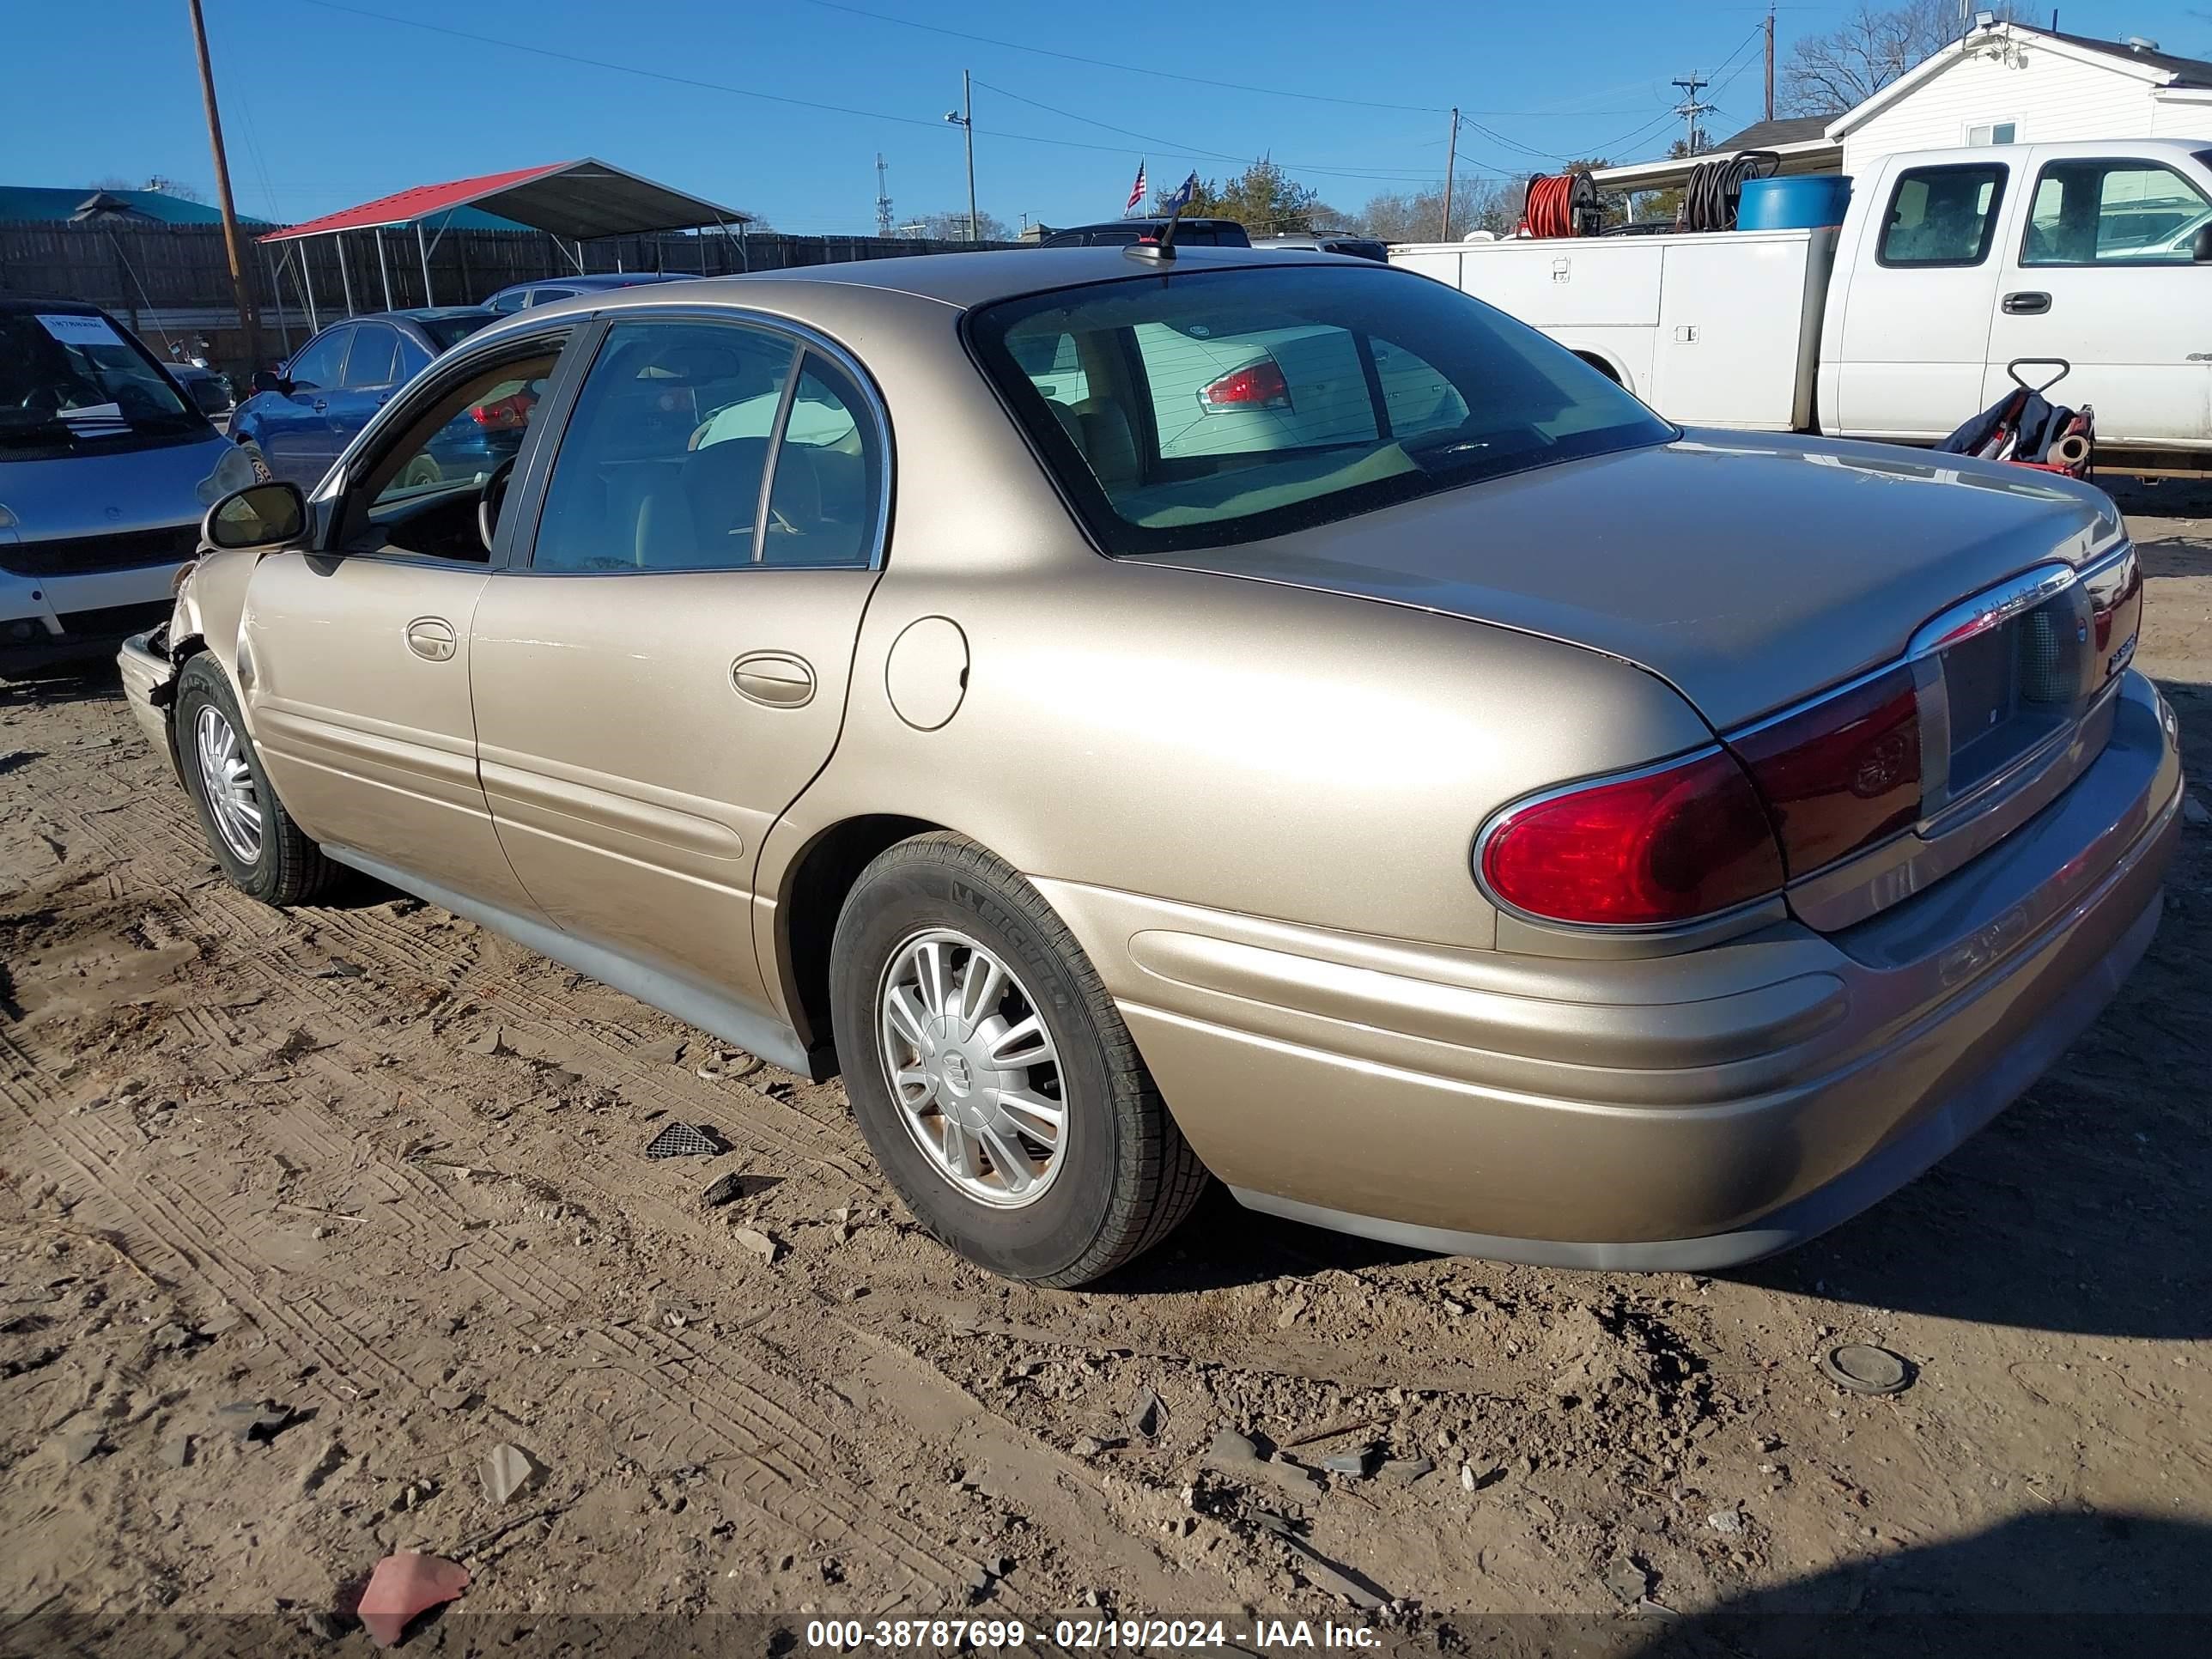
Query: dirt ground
{"points": [[385, 1173]]}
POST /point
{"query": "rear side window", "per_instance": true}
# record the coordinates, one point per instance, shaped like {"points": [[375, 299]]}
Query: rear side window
{"points": [[372, 362], [1942, 216], [2093, 212], [674, 434], [1223, 406]]}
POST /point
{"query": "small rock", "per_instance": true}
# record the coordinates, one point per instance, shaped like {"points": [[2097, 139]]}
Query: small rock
{"points": [[1293, 1310], [854, 1292], [1628, 1582], [490, 1040], [1088, 1445], [1404, 1471], [175, 1337], [450, 1399], [763, 1245], [508, 1469], [253, 1419], [1355, 1464], [1730, 1524], [335, 967], [1232, 1453], [1466, 1476], [81, 1446], [319, 1232], [177, 1451], [1147, 1416], [979, 1583]]}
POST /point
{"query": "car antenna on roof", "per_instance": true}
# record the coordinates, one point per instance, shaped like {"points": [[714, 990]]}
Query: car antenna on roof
{"points": [[1162, 252]]}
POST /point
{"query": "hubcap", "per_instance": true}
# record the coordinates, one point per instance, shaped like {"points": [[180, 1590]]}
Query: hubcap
{"points": [[973, 1068], [233, 801]]}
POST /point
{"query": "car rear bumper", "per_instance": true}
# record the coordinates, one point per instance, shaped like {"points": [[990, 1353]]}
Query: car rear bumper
{"points": [[1693, 1111]]}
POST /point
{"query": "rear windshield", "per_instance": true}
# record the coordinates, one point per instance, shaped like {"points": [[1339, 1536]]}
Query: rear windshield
{"points": [[1210, 408], [450, 331], [73, 382]]}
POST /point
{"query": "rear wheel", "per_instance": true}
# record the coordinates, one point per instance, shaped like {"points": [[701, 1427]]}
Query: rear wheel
{"points": [[252, 836], [991, 1075]]}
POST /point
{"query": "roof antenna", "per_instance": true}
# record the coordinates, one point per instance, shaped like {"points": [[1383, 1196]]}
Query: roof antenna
{"points": [[1162, 252]]}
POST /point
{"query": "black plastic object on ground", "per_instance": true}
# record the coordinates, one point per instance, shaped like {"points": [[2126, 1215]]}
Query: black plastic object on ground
{"points": [[687, 1140]]}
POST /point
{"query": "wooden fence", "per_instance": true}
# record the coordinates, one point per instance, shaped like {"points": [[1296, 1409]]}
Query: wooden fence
{"points": [[173, 281]]}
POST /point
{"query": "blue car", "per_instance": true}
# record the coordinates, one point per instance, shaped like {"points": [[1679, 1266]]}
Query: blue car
{"points": [[300, 418], [520, 296]]}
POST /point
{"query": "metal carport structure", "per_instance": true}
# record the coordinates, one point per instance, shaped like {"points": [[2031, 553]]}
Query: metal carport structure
{"points": [[580, 200]]}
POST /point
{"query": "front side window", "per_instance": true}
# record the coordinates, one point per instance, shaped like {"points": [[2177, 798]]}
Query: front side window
{"points": [[1942, 216], [321, 361], [1224, 406], [664, 463], [2092, 212], [419, 496], [73, 382]]}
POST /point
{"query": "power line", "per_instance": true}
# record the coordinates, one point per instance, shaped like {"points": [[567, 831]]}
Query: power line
{"points": [[1178, 147], [1152, 73], [748, 92]]}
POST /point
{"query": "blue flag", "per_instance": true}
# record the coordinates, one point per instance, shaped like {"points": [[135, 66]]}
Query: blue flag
{"points": [[1184, 192]]}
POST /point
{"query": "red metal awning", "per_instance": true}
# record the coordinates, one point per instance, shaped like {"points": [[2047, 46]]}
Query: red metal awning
{"points": [[577, 199]]}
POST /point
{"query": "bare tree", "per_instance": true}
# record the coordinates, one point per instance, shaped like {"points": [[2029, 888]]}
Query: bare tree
{"points": [[953, 227], [1478, 204], [1828, 74]]}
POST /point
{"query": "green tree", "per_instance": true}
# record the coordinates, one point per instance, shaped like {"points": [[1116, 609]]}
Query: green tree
{"points": [[1262, 199]]}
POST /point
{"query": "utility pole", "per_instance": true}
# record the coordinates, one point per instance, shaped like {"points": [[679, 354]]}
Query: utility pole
{"points": [[1770, 60], [240, 289], [883, 220], [1451, 163], [1690, 109], [964, 119]]}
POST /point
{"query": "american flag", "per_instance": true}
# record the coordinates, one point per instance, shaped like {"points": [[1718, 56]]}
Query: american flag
{"points": [[1136, 192]]}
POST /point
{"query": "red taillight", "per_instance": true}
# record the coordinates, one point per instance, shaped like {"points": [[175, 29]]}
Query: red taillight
{"points": [[1842, 774], [1666, 846], [508, 414], [1255, 385]]}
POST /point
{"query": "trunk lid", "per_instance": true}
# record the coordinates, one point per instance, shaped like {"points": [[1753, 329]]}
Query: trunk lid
{"points": [[1749, 572]]}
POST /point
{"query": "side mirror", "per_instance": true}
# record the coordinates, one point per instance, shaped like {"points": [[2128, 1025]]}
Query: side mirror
{"points": [[264, 515], [2201, 249], [268, 379]]}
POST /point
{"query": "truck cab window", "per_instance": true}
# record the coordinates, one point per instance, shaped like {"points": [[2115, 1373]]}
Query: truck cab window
{"points": [[1943, 216]]}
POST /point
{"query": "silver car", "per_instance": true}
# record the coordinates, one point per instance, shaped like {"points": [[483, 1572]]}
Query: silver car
{"points": [[106, 468]]}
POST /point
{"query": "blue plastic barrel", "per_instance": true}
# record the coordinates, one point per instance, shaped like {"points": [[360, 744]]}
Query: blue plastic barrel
{"points": [[1803, 202]]}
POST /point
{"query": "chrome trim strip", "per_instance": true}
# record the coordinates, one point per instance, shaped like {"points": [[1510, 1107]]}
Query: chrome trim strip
{"points": [[1991, 608]]}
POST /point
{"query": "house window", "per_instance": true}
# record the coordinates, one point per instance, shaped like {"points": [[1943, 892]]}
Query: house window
{"points": [[1996, 132]]}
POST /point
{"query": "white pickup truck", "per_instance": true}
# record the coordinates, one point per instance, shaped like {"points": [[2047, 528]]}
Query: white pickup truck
{"points": [[1899, 324]]}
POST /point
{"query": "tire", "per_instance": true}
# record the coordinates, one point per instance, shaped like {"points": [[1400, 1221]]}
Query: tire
{"points": [[1124, 1176], [257, 460], [280, 865]]}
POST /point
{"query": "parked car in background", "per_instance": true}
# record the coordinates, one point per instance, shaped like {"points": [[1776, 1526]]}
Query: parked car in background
{"points": [[105, 469], [208, 389], [1549, 834], [1330, 241], [301, 416], [521, 296], [1126, 232]]}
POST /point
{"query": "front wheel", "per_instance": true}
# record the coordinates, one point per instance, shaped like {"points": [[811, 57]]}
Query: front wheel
{"points": [[992, 1075], [252, 837]]}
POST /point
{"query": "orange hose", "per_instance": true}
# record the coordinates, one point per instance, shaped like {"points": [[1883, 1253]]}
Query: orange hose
{"points": [[1550, 208]]}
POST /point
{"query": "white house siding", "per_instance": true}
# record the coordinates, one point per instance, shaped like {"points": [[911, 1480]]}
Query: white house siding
{"points": [[2049, 98], [2183, 114]]}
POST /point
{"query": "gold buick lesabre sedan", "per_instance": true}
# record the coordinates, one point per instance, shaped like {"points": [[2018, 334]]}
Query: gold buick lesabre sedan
{"points": [[1245, 714]]}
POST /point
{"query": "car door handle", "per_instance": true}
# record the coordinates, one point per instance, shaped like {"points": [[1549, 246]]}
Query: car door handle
{"points": [[774, 678], [320, 405], [431, 639], [2027, 305]]}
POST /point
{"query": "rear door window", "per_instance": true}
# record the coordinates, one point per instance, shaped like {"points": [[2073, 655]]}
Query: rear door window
{"points": [[1945, 216], [2113, 212], [373, 361]]}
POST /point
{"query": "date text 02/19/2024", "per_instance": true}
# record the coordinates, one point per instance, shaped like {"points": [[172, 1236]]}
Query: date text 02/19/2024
{"points": [[1003, 1635]]}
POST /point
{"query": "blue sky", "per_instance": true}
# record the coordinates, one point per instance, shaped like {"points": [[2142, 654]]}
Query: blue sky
{"points": [[325, 107]]}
